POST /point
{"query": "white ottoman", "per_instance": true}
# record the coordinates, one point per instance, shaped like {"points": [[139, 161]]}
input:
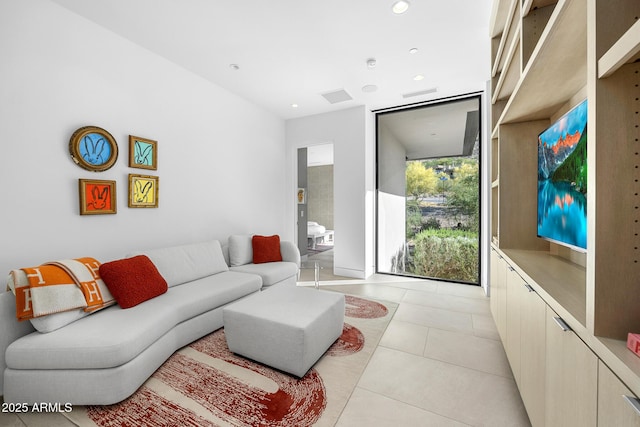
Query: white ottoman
{"points": [[287, 328]]}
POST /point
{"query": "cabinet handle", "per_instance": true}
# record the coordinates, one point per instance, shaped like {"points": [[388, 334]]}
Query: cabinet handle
{"points": [[529, 288], [633, 402], [511, 268], [563, 325]]}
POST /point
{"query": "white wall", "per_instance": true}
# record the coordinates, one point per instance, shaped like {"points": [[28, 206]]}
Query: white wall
{"points": [[320, 195], [392, 163], [221, 159], [350, 131], [392, 200], [391, 230]]}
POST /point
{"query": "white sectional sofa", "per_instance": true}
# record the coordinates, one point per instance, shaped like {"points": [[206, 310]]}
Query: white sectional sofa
{"points": [[104, 357], [238, 255]]}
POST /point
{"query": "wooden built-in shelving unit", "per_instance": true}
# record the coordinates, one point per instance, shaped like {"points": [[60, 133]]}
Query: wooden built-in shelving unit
{"points": [[547, 57]]}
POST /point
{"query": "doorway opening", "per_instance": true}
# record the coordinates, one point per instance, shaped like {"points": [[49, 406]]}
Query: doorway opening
{"points": [[320, 224], [316, 231], [428, 191]]}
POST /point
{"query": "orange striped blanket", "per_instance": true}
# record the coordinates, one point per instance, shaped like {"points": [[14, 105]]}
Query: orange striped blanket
{"points": [[59, 286]]}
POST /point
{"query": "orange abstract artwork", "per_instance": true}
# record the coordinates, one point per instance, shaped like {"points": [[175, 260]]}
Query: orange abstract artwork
{"points": [[97, 197]]}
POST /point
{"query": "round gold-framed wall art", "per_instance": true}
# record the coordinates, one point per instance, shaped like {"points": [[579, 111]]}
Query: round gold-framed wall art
{"points": [[93, 148]]}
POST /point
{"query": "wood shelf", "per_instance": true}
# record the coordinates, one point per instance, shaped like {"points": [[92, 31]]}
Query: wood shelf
{"points": [[559, 282], [615, 354], [625, 51], [510, 72], [500, 11], [509, 32], [546, 82], [529, 5]]}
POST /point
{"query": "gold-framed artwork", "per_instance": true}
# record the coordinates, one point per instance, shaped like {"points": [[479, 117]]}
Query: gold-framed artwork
{"points": [[93, 148], [143, 153], [143, 191], [97, 196]]}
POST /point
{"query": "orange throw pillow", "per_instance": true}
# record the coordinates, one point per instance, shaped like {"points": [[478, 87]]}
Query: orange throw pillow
{"points": [[266, 249], [133, 280]]}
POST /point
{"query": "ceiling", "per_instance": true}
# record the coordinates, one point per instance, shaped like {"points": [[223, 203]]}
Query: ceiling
{"points": [[294, 51], [436, 130]]}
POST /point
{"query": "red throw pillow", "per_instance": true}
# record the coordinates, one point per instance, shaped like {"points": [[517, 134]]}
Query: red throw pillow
{"points": [[266, 249], [132, 280]]}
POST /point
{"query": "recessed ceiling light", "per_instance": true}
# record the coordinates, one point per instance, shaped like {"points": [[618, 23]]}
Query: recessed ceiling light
{"points": [[369, 88], [418, 77], [400, 7], [413, 50], [234, 66], [294, 105], [371, 63]]}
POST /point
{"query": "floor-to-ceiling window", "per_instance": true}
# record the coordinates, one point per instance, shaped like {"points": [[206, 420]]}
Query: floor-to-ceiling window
{"points": [[428, 190]]}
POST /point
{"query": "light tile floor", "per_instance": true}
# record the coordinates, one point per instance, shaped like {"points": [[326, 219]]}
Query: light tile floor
{"points": [[439, 363]]}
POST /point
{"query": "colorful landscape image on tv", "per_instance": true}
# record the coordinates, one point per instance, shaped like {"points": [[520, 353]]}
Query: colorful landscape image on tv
{"points": [[562, 180]]}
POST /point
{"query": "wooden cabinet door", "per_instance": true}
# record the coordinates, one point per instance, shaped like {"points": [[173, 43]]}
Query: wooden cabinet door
{"points": [[515, 292], [533, 355], [617, 406], [493, 284], [571, 395], [499, 294]]}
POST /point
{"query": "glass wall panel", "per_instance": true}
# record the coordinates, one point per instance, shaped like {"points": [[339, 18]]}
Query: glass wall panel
{"points": [[428, 191]]}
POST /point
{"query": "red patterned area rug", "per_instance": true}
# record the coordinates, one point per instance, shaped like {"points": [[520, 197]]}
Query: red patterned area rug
{"points": [[204, 384]]}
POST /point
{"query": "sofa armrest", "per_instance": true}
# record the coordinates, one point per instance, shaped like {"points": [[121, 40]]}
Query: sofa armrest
{"points": [[289, 252], [10, 329]]}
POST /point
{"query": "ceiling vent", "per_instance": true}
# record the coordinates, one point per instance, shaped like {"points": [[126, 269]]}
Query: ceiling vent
{"points": [[334, 97], [422, 92]]}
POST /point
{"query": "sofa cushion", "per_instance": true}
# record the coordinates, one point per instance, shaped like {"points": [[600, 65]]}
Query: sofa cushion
{"points": [[133, 280], [54, 321], [182, 264], [271, 272], [240, 249], [266, 249], [114, 336]]}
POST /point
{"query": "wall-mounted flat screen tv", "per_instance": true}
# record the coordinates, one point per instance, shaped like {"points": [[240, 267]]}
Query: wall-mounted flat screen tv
{"points": [[562, 180]]}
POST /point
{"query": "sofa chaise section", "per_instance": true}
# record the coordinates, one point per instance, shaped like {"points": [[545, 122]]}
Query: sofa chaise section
{"points": [[103, 358], [239, 256], [116, 336]]}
